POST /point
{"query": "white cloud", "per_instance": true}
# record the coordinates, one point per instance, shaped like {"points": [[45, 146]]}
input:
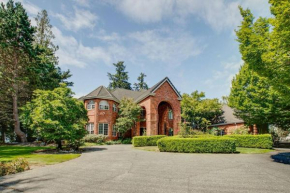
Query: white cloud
{"points": [[166, 46], [84, 3], [79, 20], [71, 52], [219, 14]]}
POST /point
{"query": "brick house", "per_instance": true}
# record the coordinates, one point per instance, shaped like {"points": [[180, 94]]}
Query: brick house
{"points": [[160, 104], [231, 122]]}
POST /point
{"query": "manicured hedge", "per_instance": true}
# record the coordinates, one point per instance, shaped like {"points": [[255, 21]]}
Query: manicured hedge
{"points": [[197, 145], [253, 141], [141, 141]]}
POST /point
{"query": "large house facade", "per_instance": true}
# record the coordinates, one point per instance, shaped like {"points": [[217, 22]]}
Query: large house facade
{"points": [[161, 113]]}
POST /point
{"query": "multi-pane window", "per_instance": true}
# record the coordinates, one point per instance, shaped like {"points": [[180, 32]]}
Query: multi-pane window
{"points": [[91, 105], [103, 128], [90, 128], [104, 105], [114, 132], [115, 108], [170, 114]]}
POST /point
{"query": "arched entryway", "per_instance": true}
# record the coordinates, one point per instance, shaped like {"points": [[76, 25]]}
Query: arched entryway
{"points": [[165, 119]]}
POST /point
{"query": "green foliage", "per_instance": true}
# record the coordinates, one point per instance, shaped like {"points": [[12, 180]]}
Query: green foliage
{"points": [[200, 112], [13, 167], [265, 47], [92, 138], [56, 115], [241, 131], [255, 100], [126, 141], [49, 74], [120, 79], [215, 131], [129, 113], [141, 85], [253, 141], [140, 141], [197, 145], [187, 131]]}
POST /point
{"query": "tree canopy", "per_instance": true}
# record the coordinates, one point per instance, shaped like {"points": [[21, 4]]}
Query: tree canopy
{"points": [[141, 84], [129, 114], [265, 45], [55, 115], [256, 101], [120, 78], [199, 111]]}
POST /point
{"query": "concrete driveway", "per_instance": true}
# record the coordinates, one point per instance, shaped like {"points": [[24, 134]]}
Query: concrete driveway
{"points": [[120, 168]]}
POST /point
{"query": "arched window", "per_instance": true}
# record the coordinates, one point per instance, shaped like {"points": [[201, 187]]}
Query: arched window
{"points": [[170, 114], [91, 105], [104, 105], [115, 108]]}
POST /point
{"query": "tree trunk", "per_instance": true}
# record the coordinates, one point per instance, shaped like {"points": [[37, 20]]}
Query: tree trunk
{"points": [[17, 129], [59, 145], [3, 133]]}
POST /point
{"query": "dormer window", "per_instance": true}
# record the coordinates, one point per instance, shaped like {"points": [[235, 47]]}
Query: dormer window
{"points": [[91, 105], [104, 105], [115, 108], [170, 115]]}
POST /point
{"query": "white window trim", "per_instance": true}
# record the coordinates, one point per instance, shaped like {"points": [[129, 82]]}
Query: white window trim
{"points": [[114, 131], [91, 106], [170, 115], [104, 107], [103, 129], [115, 109], [90, 128]]}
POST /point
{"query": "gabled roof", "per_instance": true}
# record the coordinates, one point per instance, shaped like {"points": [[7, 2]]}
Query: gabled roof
{"points": [[102, 93], [229, 116], [119, 93], [151, 91]]}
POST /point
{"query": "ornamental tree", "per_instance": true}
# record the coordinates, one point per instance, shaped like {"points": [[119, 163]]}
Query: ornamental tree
{"points": [[265, 45], [199, 111], [55, 115], [129, 114], [256, 101]]}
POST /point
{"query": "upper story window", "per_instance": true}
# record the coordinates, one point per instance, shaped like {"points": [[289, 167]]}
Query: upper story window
{"points": [[90, 128], [104, 105], [91, 105], [115, 108], [170, 114]]}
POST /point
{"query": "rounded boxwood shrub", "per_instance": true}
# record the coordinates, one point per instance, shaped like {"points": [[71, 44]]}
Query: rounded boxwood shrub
{"points": [[263, 141], [140, 141], [197, 145]]}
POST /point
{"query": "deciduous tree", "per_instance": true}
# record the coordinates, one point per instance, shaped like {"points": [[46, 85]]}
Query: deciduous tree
{"points": [[199, 111], [129, 114], [55, 115]]}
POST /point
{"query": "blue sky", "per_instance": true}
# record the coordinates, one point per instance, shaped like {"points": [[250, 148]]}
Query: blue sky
{"points": [[190, 41]]}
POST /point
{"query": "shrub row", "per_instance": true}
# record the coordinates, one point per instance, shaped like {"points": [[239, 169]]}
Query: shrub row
{"points": [[140, 141], [13, 167], [92, 138], [253, 141], [197, 145]]}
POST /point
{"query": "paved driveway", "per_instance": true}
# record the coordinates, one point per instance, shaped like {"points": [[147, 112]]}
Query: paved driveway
{"points": [[120, 168]]}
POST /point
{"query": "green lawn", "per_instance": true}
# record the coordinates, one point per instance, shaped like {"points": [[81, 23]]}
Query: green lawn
{"points": [[240, 150], [8, 153]]}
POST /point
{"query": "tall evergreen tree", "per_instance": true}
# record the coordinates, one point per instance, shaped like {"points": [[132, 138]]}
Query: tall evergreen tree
{"points": [[49, 74], [120, 79], [141, 85], [16, 56]]}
